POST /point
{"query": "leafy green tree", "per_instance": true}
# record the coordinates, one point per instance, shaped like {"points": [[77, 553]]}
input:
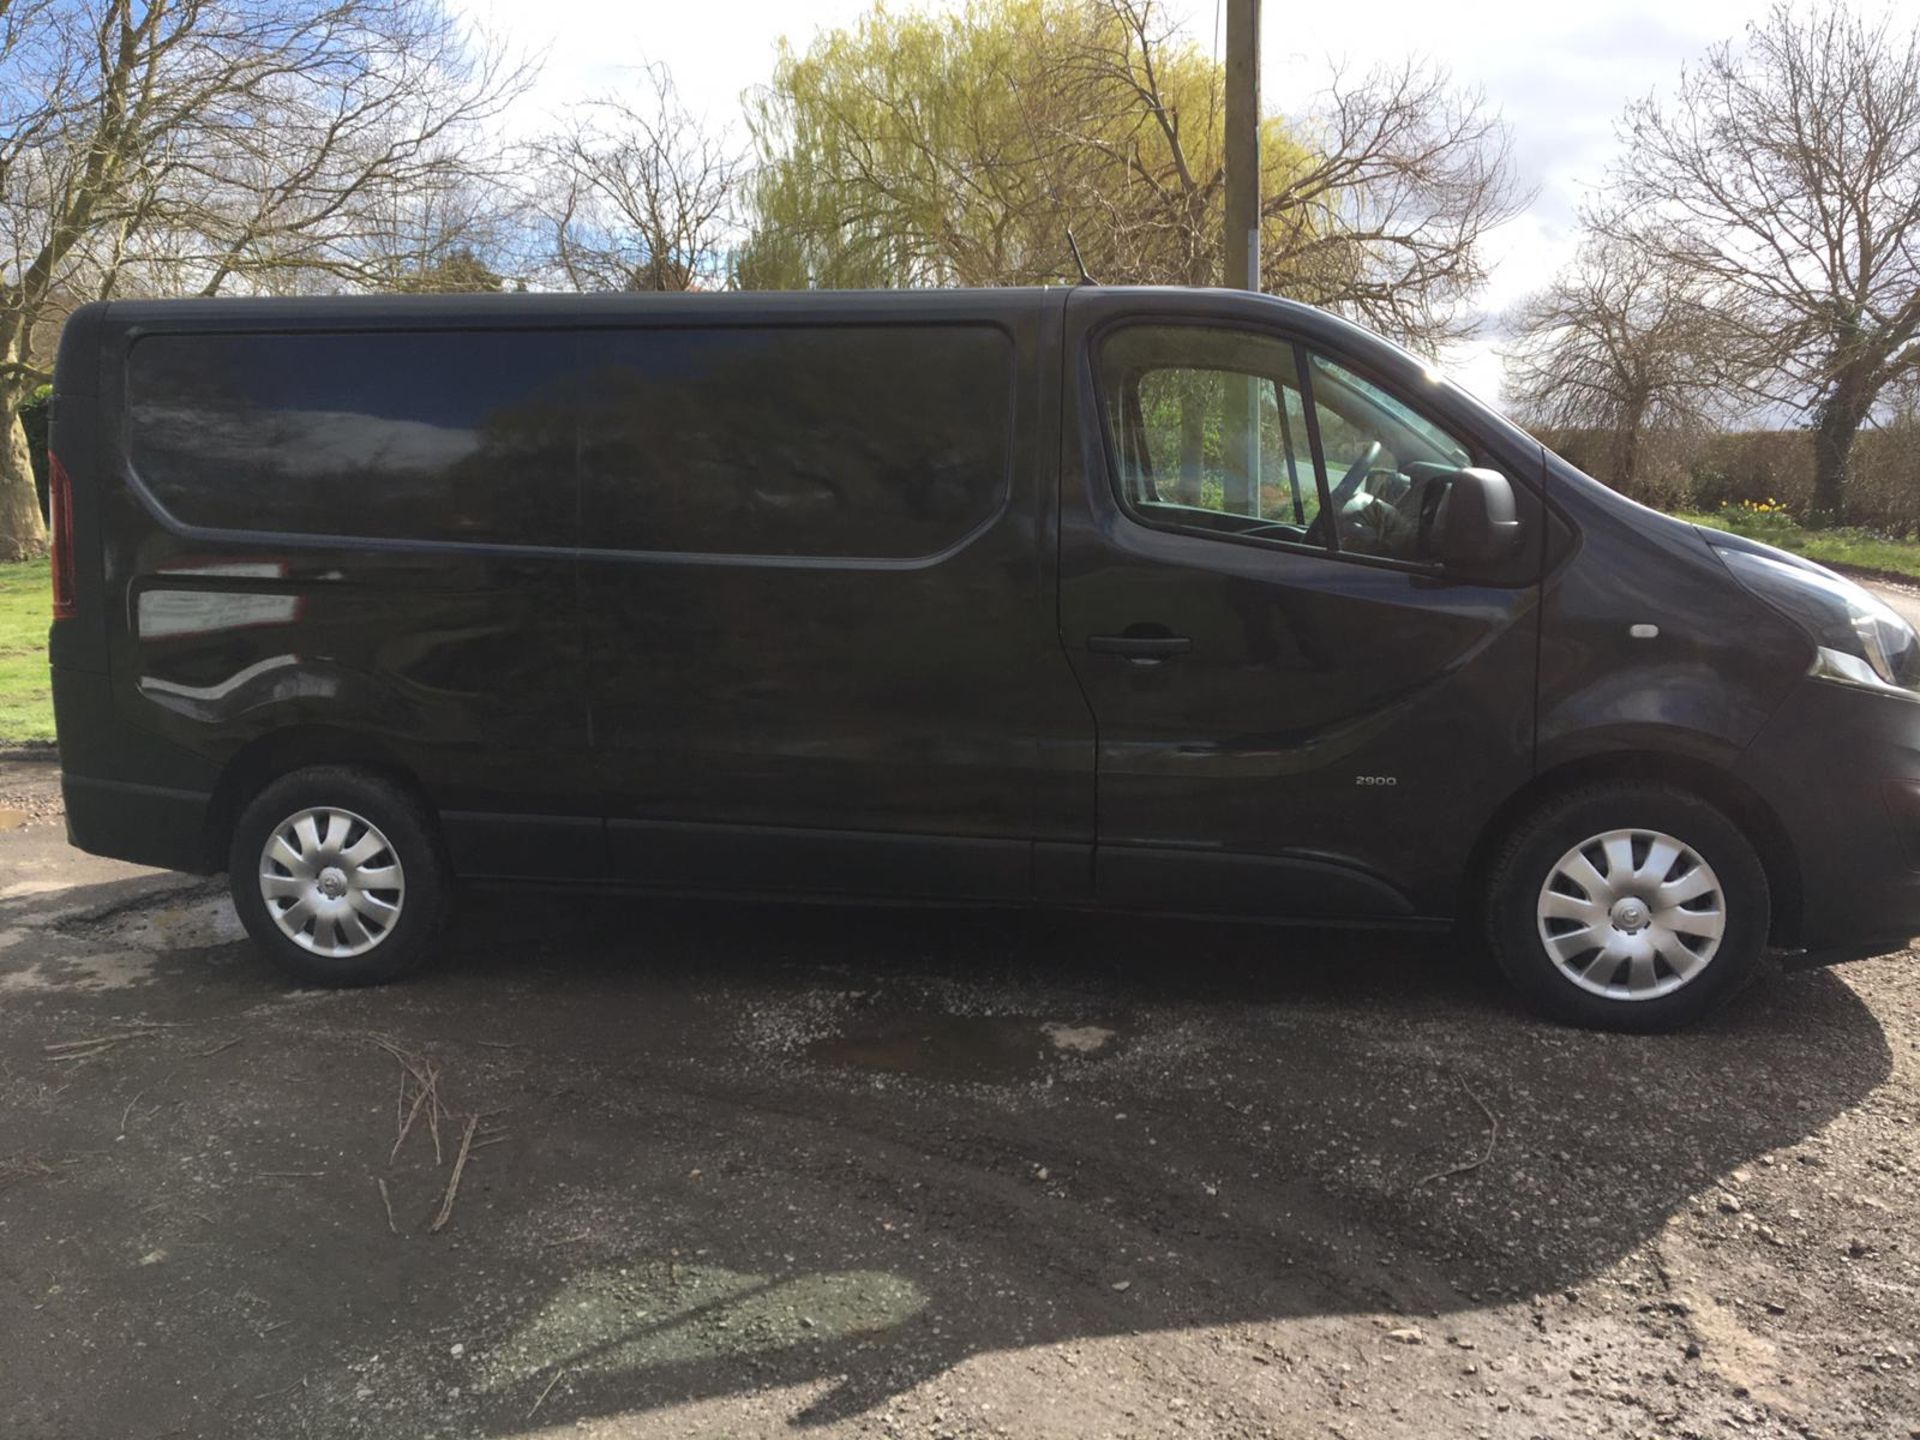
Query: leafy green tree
{"points": [[959, 148]]}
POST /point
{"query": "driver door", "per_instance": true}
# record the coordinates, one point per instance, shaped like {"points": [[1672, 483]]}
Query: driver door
{"points": [[1298, 713]]}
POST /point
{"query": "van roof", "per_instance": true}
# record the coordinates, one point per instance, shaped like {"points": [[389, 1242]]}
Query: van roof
{"points": [[535, 308]]}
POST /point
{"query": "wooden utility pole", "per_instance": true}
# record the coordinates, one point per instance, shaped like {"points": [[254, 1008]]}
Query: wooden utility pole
{"points": [[1243, 144], [1242, 479]]}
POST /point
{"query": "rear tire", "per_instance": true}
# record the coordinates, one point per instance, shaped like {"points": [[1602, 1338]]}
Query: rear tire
{"points": [[339, 875], [1627, 906]]}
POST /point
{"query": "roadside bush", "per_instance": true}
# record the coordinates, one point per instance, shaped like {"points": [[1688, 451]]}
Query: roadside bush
{"points": [[1775, 468], [1664, 479], [1884, 492], [1753, 467], [1767, 469]]}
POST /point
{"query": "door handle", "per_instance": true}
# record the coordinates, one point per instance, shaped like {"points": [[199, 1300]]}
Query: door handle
{"points": [[1140, 647]]}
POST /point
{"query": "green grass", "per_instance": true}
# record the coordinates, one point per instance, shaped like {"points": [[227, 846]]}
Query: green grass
{"points": [[1845, 548], [26, 694]]}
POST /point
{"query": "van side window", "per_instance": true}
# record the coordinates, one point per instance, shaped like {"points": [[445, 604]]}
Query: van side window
{"points": [[878, 441], [1213, 431], [1381, 456], [1209, 432], [449, 436]]}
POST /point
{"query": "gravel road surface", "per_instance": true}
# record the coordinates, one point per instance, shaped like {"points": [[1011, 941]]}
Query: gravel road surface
{"points": [[632, 1169]]}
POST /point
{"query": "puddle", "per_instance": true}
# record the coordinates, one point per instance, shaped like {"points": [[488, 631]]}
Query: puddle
{"points": [[962, 1047]]}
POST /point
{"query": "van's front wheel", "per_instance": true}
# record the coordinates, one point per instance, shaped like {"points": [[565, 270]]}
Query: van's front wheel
{"points": [[339, 876], [1628, 906]]}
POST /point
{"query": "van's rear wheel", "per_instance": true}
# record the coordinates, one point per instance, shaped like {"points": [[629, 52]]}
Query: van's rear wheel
{"points": [[1628, 906], [339, 876]]}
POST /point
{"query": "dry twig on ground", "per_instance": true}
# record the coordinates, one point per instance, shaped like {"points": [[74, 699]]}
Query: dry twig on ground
{"points": [[546, 1392], [453, 1181], [87, 1049], [419, 1076], [22, 1167], [1493, 1137]]}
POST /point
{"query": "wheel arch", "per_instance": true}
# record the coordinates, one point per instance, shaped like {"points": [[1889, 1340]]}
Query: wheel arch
{"points": [[1717, 786], [267, 757]]}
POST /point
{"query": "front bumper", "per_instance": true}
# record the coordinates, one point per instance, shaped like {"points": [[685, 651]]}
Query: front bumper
{"points": [[1840, 768]]}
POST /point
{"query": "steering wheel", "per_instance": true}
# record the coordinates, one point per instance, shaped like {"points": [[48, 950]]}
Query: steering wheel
{"points": [[1343, 492], [1350, 481]]}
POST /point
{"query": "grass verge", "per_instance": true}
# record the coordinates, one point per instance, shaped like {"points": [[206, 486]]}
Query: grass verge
{"points": [[1844, 548], [26, 692]]}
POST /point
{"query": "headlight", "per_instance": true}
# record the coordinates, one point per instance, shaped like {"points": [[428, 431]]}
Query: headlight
{"points": [[1859, 640]]}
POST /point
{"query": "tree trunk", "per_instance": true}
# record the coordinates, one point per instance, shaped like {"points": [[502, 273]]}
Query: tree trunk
{"points": [[23, 535], [1833, 436], [1624, 462]]}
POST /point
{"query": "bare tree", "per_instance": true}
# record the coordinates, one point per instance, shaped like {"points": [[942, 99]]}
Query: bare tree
{"points": [[456, 237], [1623, 342], [1153, 110], [209, 145], [638, 194], [1385, 220], [1374, 200], [1786, 177]]}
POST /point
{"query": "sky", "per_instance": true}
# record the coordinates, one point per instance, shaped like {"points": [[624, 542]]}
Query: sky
{"points": [[1559, 73]]}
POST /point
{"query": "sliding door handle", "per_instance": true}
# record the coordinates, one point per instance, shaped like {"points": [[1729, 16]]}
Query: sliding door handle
{"points": [[1140, 647]]}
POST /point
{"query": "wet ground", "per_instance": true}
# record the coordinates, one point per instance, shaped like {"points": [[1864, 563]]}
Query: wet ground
{"points": [[634, 1169]]}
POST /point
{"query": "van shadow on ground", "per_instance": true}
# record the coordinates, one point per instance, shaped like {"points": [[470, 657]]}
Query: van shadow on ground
{"points": [[753, 1147]]}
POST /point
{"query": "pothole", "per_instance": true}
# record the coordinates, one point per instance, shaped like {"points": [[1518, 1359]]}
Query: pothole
{"points": [[193, 919]]}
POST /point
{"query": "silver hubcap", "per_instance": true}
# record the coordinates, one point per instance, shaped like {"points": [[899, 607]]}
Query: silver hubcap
{"points": [[332, 882], [1631, 914]]}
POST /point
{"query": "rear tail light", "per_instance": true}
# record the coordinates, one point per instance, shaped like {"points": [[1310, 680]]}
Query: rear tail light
{"points": [[60, 504]]}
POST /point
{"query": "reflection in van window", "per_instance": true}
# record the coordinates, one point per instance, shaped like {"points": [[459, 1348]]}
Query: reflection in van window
{"points": [[449, 436], [856, 441]]}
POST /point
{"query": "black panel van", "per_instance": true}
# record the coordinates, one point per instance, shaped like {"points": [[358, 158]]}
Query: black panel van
{"points": [[1147, 600]]}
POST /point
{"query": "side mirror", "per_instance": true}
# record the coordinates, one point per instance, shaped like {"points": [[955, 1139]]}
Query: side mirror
{"points": [[1469, 518]]}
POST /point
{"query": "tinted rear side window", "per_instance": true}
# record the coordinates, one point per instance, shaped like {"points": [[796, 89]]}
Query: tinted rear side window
{"points": [[847, 441], [447, 436]]}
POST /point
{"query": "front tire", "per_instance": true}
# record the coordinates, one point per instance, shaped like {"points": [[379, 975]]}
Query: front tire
{"points": [[1628, 906], [339, 876]]}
